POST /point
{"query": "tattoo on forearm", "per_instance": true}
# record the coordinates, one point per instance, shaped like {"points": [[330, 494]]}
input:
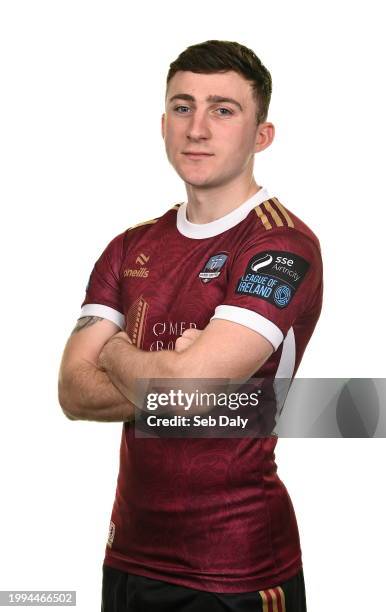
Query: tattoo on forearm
{"points": [[85, 322]]}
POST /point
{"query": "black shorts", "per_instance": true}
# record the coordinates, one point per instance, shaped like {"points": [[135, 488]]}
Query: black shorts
{"points": [[122, 592]]}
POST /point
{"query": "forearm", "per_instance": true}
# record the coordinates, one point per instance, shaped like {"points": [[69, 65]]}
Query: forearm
{"points": [[132, 369], [126, 365], [87, 393], [211, 363]]}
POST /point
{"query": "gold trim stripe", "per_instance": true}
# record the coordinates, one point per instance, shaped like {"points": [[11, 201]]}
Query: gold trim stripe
{"points": [[142, 310], [274, 600], [270, 604], [274, 214], [282, 598], [265, 601], [284, 212], [263, 218], [144, 223], [176, 206]]}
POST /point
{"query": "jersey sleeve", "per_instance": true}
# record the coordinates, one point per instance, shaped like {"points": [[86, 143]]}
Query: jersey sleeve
{"points": [[103, 294], [274, 280]]}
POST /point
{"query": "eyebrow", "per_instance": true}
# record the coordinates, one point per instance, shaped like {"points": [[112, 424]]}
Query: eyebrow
{"points": [[216, 99]]}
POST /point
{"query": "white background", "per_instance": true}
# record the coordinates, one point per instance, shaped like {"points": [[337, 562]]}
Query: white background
{"points": [[82, 86]]}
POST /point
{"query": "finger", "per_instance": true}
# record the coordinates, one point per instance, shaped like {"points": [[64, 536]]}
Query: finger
{"points": [[182, 344], [122, 335], [191, 333]]}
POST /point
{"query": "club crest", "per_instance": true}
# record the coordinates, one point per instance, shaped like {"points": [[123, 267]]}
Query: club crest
{"points": [[213, 267]]}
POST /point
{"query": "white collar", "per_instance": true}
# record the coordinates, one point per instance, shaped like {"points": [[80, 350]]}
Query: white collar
{"points": [[213, 228]]}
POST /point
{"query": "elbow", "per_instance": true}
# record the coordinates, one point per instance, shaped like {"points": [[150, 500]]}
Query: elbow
{"points": [[68, 405], [70, 416]]}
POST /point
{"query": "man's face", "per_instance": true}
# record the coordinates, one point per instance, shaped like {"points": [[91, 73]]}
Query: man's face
{"points": [[209, 127]]}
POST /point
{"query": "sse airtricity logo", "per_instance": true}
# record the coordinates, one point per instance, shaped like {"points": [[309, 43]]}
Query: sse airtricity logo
{"points": [[282, 295], [273, 276], [260, 262]]}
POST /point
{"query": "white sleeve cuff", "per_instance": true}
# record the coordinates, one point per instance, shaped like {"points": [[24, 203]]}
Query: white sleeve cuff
{"points": [[251, 319], [99, 310]]}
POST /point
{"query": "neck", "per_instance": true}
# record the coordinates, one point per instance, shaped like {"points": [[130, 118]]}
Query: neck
{"points": [[208, 204]]}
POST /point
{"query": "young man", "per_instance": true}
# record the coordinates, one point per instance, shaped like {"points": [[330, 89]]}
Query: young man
{"points": [[230, 284]]}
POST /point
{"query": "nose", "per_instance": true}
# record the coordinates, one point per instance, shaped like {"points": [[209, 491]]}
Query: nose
{"points": [[198, 127]]}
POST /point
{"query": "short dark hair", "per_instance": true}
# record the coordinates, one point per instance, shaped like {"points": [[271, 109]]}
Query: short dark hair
{"points": [[223, 55]]}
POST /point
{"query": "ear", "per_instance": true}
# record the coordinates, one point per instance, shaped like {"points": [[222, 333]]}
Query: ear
{"points": [[163, 125], [264, 136]]}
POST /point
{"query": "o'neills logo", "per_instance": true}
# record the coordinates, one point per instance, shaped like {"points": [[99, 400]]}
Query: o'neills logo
{"points": [[139, 272]]}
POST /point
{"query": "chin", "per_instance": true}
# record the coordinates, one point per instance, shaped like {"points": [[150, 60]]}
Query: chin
{"points": [[205, 183], [198, 183], [195, 180]]}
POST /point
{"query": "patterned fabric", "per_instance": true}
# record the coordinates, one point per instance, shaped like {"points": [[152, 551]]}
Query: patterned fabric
{"points": [[209, 514]]}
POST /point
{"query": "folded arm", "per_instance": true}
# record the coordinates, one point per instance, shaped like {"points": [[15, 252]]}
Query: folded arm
{"points": [[224, 349], [85, 390]]}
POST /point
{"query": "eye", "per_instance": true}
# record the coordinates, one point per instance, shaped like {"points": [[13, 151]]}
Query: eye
{"points": [[224, 111], [181, 109]]}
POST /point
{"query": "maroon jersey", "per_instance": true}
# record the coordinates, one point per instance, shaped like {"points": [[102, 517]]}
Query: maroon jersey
{"points": [[210, 514]]}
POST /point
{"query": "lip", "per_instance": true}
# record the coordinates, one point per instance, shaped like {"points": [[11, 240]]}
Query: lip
{"points": [[196, 155]]}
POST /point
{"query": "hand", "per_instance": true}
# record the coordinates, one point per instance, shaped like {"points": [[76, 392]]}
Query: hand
{"points": [[103, 359], [122, 336], [186, 340]]}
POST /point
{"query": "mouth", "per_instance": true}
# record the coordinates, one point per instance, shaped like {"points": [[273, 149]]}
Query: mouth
{"points": [[197, 154]]}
